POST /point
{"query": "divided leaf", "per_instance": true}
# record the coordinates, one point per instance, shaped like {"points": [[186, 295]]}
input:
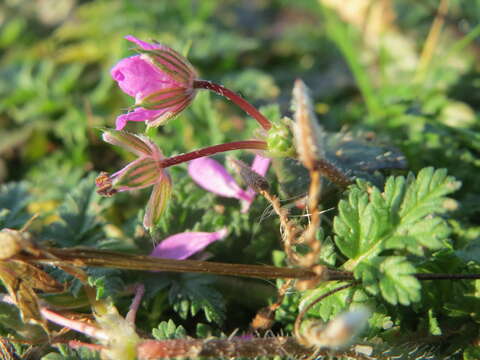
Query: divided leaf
{"points": [[393, 277], [330, 306], [196, 293], [404, 218], [13, 200], [168, 330], [79, 223]]}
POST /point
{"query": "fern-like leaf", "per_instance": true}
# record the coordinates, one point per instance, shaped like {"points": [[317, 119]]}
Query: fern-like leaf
{"points": [[13, 200], [403, 219], [195, 293]]}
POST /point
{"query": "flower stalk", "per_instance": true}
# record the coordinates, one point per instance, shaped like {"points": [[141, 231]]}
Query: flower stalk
{"points": [[234, 97], [77, 325], [149, 169], [215, 149]]}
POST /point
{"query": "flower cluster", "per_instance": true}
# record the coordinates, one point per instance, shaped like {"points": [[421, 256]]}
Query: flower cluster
{"points": [[163, 83]]}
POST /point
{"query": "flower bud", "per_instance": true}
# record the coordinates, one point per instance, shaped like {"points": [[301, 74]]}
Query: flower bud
{"points": [[160, 80]]}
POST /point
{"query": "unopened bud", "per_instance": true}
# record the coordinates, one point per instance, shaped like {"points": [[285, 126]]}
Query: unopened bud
{"points": [[104, 185], [280, 138], [338, 332], [263, 320], [257, 182]]}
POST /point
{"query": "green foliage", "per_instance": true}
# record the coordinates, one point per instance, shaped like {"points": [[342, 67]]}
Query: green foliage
{"points": [[383, 110], [13, 201], [107, 282], [79, 223], [392, 276], [168, 330], [330, 306], [194, 293], [404, 218], [68, 354]]}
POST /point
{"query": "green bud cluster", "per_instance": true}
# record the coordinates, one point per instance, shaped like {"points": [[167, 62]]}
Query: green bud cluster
{"points": [[280, 139]]}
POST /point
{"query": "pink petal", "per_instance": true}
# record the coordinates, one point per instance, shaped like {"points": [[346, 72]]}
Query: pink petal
{"points": [[212, 176], [138, 78], [143, 44], [260, 166], [176, 62], [183, 245], [139, 114]]}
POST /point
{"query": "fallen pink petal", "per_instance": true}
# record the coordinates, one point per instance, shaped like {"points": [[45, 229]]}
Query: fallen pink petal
{"points": [[183, 245], [212, 176]]}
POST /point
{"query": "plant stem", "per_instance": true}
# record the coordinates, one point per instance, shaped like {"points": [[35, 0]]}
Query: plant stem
{"points": [[300, 316], [237, 99], [211, 150], [423, 276], [237, 347], [132, 312], [58, 319], [109, 259]]}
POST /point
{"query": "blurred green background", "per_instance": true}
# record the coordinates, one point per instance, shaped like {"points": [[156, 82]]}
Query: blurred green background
{"points": [[406, 72], [366, 62]]}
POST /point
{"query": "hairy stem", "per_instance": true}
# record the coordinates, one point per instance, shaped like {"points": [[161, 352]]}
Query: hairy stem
{"points": [[301, 315], [109, 259], [211, 150], [58, 319], [288, 229], [237, 99], [310, 233], [236, 347]]}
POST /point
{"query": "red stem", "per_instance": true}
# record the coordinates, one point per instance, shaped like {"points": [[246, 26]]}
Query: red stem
{"points": [[237, 99], [210, 150]]}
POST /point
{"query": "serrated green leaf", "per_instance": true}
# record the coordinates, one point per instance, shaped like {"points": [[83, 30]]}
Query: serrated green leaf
{"points": [[168, 330], [426, 194], [402, 217], [329, 306], [471, 252], [429, 233], [203, 331], [369, 273], [328, 254], [107, 282], [194, 293], [13, 200], [79, 223], [433, 325], [66, 353], [397, 283], [392, 277]]}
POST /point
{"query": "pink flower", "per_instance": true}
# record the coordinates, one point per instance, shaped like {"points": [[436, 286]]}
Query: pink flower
{"points": [[160, 80], [212, 176], [179, 246], [183, 245], [143, 172]]}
